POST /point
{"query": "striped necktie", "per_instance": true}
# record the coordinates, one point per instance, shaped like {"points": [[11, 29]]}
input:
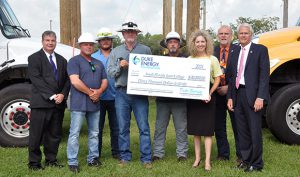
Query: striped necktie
{"points": [[54, 68]]}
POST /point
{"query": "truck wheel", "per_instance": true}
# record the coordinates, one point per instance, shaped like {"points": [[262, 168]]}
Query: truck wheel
{"points": [[15, 115], [283, 114]]}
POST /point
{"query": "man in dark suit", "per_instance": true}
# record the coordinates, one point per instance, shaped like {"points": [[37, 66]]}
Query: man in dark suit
{"points": [[221, 52], [248, 90], [47, 71]]}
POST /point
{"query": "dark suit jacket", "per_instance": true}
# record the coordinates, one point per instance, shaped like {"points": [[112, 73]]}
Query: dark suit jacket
{"points": [[257, 71], [43, 80], [217, 54]]}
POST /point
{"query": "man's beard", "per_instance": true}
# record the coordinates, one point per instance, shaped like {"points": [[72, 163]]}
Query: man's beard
{"points": [[105, 48], [172, 51]]}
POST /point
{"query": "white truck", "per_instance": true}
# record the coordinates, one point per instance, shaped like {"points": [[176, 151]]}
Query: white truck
{"points": [[15, 47]]}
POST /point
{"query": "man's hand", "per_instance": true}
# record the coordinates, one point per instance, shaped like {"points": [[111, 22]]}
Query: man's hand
{"points": [[59, 98], [124, 64], [230, 105], [96, 93], [222, 90], [258, 104]]}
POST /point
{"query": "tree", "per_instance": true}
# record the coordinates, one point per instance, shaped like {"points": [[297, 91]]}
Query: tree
{"points": [[117, 41], [260, 25], [152, 41]]}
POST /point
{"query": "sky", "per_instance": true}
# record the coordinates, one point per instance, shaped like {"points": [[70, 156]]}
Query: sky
{"points": [[36, 15]]}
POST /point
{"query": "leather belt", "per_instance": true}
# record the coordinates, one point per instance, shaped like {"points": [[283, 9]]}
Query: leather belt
{"points": [[242, 86]]}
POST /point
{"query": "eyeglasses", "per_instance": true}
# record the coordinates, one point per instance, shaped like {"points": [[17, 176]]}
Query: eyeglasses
{"points": [[92, 66]]}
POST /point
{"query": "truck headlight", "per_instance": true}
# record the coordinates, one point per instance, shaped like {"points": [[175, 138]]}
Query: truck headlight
{"points": [[274, 62]]}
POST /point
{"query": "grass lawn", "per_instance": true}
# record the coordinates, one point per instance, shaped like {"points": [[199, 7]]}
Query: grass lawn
{"points": [[280, 160]]}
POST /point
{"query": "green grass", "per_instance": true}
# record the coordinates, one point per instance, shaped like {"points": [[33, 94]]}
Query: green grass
{"points": [[280, 159]]}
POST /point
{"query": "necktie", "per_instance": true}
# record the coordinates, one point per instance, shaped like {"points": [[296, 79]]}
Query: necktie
{"points": [[223, 55], [241, 67], [223, 66], [54, 68]]}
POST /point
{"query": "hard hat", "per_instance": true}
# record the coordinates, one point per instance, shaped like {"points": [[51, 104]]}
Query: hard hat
{"points": [[86, 37], [104, 33], [129, 26], [171, 35]]}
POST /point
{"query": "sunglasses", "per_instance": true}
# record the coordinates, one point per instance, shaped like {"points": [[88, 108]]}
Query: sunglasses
{"points": [[92, 66]]}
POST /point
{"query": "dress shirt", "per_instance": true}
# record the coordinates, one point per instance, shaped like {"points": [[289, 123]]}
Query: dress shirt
{"points": [[247, 48], [53, 57], [54, 61]]}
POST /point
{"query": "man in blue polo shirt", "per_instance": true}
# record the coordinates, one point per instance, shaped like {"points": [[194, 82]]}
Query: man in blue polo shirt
{"points": [[107, 99], [88, 79]]}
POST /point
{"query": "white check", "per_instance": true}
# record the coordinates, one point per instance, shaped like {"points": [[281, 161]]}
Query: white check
{"points": [[168, 76]]}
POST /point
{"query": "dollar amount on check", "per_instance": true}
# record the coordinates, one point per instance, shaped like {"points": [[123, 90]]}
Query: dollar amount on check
{"points": [[168, 76]]}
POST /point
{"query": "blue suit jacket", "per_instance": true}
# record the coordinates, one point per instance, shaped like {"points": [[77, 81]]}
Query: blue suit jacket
{"points": [[217, 54], [257, 74]]}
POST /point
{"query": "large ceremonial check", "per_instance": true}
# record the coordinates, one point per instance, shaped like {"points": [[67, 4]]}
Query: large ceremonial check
{"points": [[168, 76]]}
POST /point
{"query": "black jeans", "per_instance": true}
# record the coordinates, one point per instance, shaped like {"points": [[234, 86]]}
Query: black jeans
{"points": [[109, 107]]}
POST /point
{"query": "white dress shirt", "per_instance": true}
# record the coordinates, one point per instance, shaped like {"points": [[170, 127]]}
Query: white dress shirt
{"points": [[247, 48]]}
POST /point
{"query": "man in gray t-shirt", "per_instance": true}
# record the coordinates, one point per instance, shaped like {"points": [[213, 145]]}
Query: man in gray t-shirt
{"points": [[88, 79]]}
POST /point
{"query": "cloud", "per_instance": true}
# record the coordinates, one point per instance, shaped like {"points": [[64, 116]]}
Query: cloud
{"points": [[36, 14]]}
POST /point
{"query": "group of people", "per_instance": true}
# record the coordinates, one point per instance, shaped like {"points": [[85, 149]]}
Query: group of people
{"points": [[239, 77]]}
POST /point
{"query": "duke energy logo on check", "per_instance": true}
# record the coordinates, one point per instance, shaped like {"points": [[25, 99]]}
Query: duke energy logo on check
{"points": [[136, 60], [146, 62]]}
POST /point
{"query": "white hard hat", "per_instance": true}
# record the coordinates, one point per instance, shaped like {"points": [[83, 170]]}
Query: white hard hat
{"points": [[86, 37], [171, 35], [104, 33], [129, 26]]}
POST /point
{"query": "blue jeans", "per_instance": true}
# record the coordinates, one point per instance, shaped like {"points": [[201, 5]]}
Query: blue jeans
{"points": [[139, 105], [109, 107], [77, 118]]}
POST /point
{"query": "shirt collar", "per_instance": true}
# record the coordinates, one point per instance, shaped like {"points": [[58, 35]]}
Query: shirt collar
{"points": [[226, 48], [135, 44], [247, 47], [48, 54]]}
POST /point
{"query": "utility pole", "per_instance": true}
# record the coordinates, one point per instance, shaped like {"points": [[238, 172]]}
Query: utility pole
{"points": [[178, 16], [204, 14], [70, 21], [50, 25], [285, 13], [167, 16], [193, 16]]}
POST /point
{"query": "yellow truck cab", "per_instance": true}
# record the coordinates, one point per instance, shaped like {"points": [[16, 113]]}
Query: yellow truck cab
{"points": [[283, 112]]}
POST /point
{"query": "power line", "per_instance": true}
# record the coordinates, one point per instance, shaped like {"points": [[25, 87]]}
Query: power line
{"points": [[127, 10], [214, 11]]}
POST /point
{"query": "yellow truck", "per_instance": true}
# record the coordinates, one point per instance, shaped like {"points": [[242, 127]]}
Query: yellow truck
{"points": [[283, 112]]}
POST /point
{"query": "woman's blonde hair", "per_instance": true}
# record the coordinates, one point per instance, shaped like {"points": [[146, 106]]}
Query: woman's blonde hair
{"points": [[192, 47]]}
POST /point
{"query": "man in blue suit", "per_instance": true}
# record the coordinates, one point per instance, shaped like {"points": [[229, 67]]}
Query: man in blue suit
{"points": [[248, 90], [222, 53]]}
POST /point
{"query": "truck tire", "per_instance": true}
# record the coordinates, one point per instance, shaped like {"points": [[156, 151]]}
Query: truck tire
{"points": [[15, 115], [283, 114]]}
